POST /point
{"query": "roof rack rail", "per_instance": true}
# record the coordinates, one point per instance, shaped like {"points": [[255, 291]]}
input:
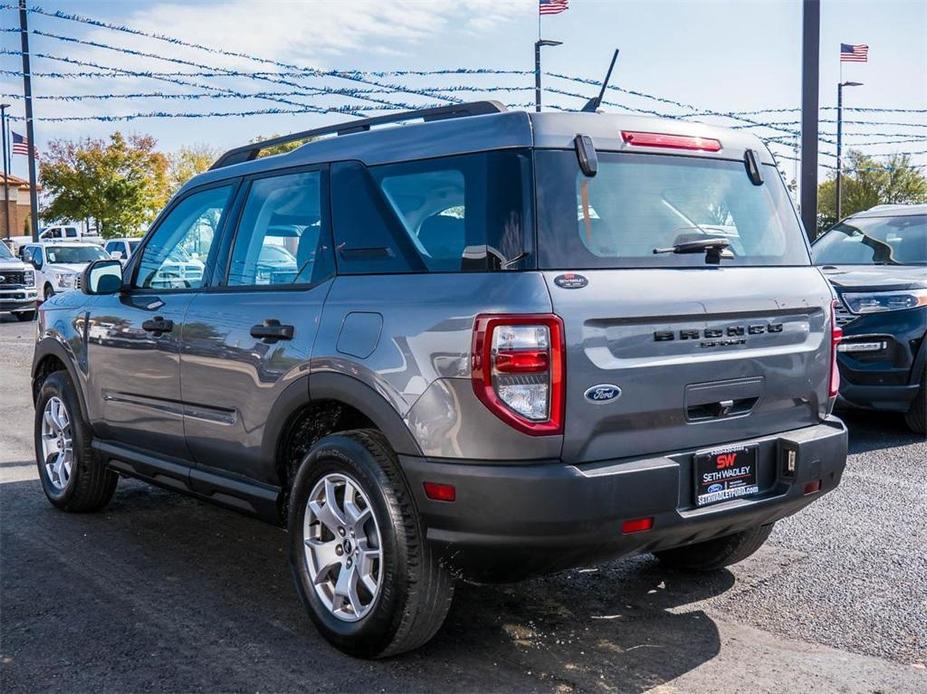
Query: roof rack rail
{"points": [[251, 151]]}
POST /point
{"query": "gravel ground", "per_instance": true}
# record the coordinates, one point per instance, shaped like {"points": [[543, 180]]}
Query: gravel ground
{"points": [[161, 592]]}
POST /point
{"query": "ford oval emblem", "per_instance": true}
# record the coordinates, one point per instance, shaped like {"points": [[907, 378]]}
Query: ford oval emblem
{"points": [[604, 392], [570, 280]]}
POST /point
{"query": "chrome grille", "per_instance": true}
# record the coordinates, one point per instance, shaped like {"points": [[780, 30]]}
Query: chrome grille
{"points": [[14, 277]]}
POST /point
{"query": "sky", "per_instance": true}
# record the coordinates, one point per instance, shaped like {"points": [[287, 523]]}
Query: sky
{"points": [[716, 55]]}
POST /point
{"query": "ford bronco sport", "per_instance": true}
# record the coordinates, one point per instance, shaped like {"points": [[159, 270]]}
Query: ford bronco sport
{"points": [[486, 345]]}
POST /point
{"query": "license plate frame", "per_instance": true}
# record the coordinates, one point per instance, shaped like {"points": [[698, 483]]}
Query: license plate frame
{"points": [[723, 474]]}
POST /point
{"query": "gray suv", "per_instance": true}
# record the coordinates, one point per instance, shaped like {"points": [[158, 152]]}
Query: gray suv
{"points": [[484, 345]]}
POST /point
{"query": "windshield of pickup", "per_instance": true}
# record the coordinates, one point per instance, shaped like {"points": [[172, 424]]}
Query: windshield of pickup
{"points": [[5, 253], [74, 254], [875, 241], [641, 202]]}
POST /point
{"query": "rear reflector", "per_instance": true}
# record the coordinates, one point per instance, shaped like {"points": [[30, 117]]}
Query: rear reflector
{"points": [[705, 144], [440, 492], [636, 525], [836, 335], [812, 487]]}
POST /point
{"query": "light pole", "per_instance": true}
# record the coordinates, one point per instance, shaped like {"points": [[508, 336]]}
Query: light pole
{"points": [[6, 186], [537, 69], [840, 86]]}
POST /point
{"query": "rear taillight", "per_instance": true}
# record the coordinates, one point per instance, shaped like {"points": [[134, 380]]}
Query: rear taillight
{"points": [[517, 370], [836, 334]]}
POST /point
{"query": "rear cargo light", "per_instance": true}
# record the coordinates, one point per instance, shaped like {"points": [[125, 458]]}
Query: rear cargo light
{"points": [[518, 372], [440, 492], [705, 144], [836, 334], [636, 525]]}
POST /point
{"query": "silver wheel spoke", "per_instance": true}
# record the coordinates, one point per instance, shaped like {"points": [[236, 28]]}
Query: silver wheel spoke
{"points": [[325, 514], [326, 555]]}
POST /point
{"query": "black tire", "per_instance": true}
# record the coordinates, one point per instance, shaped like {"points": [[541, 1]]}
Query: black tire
{"points": [[91, 484], [48, 292], [25, 316], [916, 417], [415, 589], [715, 554]]}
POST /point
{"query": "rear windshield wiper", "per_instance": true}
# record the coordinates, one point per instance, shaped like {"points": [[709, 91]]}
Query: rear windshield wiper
{"points": [[712, 247]]}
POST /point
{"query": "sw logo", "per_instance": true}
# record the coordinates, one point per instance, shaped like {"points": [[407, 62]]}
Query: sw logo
{"points": [[725, 460]]}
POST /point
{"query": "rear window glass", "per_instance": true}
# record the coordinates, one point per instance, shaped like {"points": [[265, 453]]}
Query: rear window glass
{"points": [[638, 203], [875, 241], [468, 213]]}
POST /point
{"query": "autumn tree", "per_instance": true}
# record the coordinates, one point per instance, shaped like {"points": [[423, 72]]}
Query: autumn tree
{"points": [[121, 184], [187, 162], [866, 183], [279, 149]]}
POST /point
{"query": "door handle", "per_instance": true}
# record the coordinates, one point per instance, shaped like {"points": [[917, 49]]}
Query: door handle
{"points": [[270, 331], [158, 325]]}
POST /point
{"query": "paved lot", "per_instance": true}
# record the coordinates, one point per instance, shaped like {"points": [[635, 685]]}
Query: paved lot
{"points": [[161, 592]]}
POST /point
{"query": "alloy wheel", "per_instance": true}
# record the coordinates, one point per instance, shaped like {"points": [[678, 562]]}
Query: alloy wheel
{"points": [[343, 548], [57, 444]]}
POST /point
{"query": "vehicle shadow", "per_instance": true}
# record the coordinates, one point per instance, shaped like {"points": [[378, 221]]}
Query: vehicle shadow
{"points": [[869, 431], [165, 592]]}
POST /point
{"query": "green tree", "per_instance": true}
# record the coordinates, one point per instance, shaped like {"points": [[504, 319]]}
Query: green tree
{"points": [[279, 149], [866, 183], [120, 184], [187, 162]]}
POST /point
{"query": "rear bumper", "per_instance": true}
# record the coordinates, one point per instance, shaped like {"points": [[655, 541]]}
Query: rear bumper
{"points": [[510, 521]]}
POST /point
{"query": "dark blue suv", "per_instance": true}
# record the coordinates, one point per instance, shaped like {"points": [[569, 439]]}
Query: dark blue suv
{"points": [[877, 262]]}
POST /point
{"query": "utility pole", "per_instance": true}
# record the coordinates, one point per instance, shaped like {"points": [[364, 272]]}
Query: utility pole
{"points": [[537, 69], [30, 132], [840, 86], [810, 64], [6, 182]]}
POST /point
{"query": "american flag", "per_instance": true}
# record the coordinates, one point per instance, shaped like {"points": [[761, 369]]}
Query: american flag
{"points": [[553, 6], [854, 53], [20, 144]]}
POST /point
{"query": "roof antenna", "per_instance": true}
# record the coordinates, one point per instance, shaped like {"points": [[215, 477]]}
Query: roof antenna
{"points": [[595, 102]]}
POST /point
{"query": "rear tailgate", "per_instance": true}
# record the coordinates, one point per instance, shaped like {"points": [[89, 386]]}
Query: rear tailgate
{"points": [[702, 357]]}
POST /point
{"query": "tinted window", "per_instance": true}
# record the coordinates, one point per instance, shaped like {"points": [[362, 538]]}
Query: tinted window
{"points": [[452, 214], [175, 256], [73, 254], [5, 252], [281, 235], [875, 241], [637, 203]]}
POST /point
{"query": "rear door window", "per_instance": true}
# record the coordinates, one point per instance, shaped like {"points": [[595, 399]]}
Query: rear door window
{"points": [[283, 232], [468, 213], [638, 203]]}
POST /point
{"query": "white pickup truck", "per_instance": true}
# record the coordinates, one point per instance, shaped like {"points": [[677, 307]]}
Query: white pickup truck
{"points": [[18, 293]]}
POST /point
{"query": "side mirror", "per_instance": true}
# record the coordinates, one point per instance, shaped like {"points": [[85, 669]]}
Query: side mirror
{"points": [[102, 277], [115, 255]]}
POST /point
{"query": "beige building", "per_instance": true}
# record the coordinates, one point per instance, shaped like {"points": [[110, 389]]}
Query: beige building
{"points": [[15, 195]]}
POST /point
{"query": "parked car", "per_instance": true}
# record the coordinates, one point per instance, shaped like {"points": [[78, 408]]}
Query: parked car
{"points": [[121, 249], [17, 286], [56, 233], [505, 350], [877, 262], [58, 264]]}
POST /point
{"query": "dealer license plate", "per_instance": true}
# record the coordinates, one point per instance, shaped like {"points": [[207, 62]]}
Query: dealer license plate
{"points": [[725, 474]]}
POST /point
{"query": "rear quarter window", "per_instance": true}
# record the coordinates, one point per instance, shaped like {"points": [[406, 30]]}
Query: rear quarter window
{"points": [[470, 213]]}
